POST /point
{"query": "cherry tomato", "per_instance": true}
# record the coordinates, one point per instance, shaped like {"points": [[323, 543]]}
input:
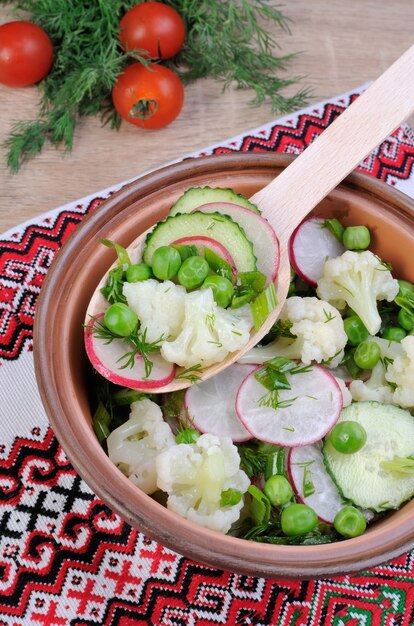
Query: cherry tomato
{"points": [[26, 54], [148, 97], [154, 27]]}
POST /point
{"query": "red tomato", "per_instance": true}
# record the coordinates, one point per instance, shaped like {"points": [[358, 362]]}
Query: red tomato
{"points": [[152, 26], [148, 97], [26, 54]]}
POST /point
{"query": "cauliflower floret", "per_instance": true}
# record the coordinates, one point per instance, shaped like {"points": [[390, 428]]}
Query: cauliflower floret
{"points": [[134, 445], [346, 394], [375, 388], [195, 475], [401, 373], [319, 334], [208, 332], [159, 306], [358, 279]]}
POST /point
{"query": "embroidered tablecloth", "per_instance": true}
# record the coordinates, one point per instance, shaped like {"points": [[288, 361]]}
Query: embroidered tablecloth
{"points": [[65, 558]]}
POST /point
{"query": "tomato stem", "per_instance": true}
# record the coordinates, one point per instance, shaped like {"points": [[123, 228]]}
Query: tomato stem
{"points": [[144, 109]]}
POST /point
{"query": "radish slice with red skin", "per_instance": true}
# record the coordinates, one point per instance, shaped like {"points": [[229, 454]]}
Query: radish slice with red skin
{"points": [[257, 229], [316, 407], [104, 358], [211, 404], [306, 468], [310, 246], [206, 242]]}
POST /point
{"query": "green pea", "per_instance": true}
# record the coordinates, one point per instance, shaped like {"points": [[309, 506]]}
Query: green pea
{"points": [[355, 330], [350, 522], [278, 490], [356, 238], [298, 519], [367, 355], [137, 272], [348, 437], [187, 435], [193, 272], [349, 362], [120, 319], [166, 262], [394, 333], [405, 320], [222, 289]]}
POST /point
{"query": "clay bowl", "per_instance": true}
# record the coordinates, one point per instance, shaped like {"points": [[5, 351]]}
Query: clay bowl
{"points": [[61, 362]]}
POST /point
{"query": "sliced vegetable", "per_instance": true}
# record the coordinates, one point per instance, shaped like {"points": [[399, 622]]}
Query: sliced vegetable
{"points": [[211, 403], [105, 357], [196, 196], [263, 305], [297, 416], [259, 231], [309, 247], [311, 482], [215, 226], [361, 477]]}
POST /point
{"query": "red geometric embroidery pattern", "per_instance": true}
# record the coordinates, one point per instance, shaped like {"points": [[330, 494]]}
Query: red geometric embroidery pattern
{"points": [[66, 559]]}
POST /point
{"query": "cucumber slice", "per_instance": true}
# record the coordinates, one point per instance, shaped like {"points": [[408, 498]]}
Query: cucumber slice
{"points": [[213, 225], [359, 476], [196, 196], [260, 232]]}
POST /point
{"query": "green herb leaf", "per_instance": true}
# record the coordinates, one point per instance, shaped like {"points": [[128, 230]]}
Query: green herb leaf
{"points": [[259, 507], [190, 373], [122, 254], [399, 465]]}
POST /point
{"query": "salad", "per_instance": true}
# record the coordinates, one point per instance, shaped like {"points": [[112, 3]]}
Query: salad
{"points": [[309, 437]]}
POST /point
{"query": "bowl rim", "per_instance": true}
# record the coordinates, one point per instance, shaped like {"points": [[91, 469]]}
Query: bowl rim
{"points": [[229, 553]]}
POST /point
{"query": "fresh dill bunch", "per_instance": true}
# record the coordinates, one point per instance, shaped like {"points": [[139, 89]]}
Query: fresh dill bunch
{"points": [[225, 40]]}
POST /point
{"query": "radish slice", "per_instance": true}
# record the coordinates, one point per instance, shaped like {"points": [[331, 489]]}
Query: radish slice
{"points": [[105, 359], [211, 404], [314, 403], [257, 229], [310, 246], [206, 242], [311, 482]]}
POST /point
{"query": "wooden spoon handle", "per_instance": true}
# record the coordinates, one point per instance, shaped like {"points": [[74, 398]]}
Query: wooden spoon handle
{"points": [[340, 148]]}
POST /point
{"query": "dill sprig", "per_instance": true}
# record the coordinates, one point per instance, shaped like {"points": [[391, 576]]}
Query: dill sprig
{"points": [[190, 373], [226, 40], [137, 340]]}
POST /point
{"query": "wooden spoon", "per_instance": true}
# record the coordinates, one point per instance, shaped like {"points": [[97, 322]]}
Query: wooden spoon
{"points": [[288, 199]]}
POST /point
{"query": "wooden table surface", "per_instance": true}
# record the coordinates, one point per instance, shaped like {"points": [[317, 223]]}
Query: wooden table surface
{"points": [[343, 44]]}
